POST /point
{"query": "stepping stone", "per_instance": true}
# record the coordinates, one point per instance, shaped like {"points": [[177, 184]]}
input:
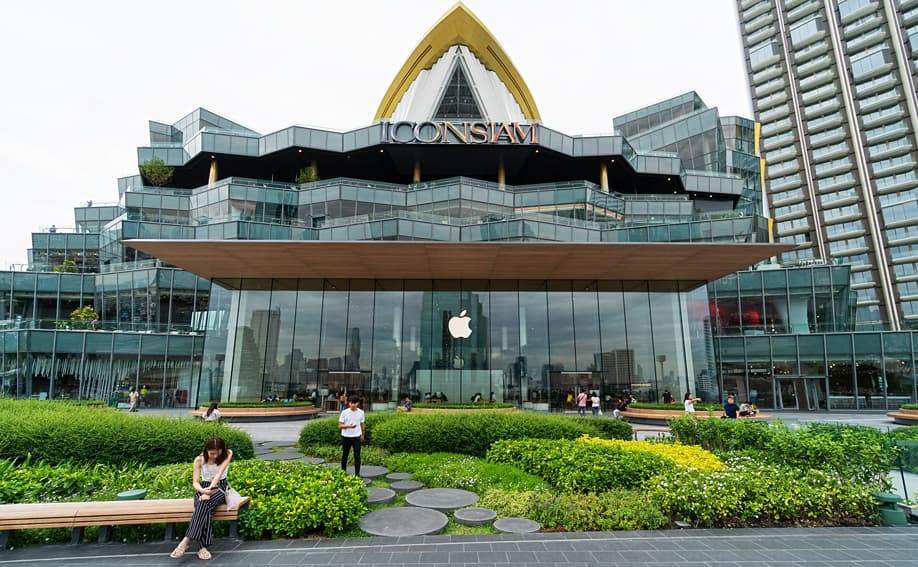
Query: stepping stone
{"points": [[396, 476], [366, 471], [516, 525], [406, 485], [280, 456], [403, 522], [263, 450], [312, 460], [442, 499], [380, 495], [474, 516]]}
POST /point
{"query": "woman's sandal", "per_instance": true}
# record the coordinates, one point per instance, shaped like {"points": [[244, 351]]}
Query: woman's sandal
{"points": [[179, 551], [204, 555]]}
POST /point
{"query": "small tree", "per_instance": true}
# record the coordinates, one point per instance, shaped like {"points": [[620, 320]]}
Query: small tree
{"points": [[83, 317], [156, 171], [307, 175], [68, 266]]}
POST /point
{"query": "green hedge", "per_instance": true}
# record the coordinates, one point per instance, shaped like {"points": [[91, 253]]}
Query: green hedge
{"points": [[451, 470], [473, 434], [909, 406], [575, 467], [750, 493], [678, 406], [56, 433], [611, 510], [858, 452], [324, 430], [907, 453], [260, 404]]}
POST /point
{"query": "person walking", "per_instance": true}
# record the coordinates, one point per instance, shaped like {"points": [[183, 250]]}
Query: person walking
{"points": [[595, 404], [351, 423], [134, 399], [210, 485], [581, 403]]}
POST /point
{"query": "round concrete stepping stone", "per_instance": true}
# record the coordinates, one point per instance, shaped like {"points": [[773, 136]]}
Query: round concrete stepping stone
{"points": [[280, 456], [396, 476], [366, 471], [401, 486], [380, 495], [402, 522], [443, 499], [312, 460], [516, 525], [474, 516]]}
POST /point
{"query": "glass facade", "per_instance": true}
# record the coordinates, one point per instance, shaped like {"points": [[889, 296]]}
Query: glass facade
{"points": [[529, 341]]}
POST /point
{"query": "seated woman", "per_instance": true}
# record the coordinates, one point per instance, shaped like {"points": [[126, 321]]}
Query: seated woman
{"points": [[746, 409]]}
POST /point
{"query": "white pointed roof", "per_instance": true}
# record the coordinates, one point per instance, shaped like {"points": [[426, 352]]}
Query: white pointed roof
{"points": [[423, 97]]}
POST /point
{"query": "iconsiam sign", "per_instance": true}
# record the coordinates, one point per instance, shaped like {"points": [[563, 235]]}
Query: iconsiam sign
{"points": [[445, 132]]}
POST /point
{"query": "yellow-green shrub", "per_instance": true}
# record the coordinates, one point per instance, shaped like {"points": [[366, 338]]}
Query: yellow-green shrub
{"points": [[688, 456]]}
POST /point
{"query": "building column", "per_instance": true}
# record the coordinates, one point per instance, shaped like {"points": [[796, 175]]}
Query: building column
{"points": [[501, 173], [416, 175], [604, 177], [212, 178]]}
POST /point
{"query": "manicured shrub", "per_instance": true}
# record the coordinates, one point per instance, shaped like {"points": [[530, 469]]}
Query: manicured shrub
{"points": [[472, 434], [57, 433], [612, 510], [575, 467], [291, 499], [451, 470], [855, 452], [609, 428], [689, 456], [749, 493], [324, 430], [721, 434]]}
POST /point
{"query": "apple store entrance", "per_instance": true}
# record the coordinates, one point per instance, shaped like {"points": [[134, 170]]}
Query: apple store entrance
{"points": [[528, 342]]}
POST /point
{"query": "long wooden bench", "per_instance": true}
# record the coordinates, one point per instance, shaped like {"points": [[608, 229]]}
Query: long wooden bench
{"points": [[278, 412], [79, 515], [659, 417], [904, 416]]}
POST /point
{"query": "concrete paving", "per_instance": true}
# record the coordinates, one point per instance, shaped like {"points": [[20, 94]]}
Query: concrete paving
{"points": [[404, 522], [759, 547]]}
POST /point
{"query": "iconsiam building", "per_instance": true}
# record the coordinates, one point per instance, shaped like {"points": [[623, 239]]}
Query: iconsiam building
{"points": [[457, 245]]}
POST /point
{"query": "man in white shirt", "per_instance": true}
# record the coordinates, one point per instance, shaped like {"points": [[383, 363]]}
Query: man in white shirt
{"points": [[351, 423]]}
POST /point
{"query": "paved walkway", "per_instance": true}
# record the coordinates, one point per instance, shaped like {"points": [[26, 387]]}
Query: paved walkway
{"points": [[792, 547]]}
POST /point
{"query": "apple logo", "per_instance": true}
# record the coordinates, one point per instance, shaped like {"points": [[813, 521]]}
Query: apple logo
{"points": [[459, 326]]}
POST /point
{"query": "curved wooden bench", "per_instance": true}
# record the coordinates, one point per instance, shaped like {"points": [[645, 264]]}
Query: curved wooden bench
{"points": [[904, 416], [659, 417], [78, 515], [263, 413]]}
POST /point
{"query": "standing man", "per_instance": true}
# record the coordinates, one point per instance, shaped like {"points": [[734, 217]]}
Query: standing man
{"points": [[351, 424]]}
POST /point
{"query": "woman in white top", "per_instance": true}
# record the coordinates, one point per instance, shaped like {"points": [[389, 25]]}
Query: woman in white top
{"points": [[209, 481], [689, 402], [212, 413]]}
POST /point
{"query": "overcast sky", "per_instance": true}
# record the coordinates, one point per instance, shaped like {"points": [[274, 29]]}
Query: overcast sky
{"points": [[80, 80]]}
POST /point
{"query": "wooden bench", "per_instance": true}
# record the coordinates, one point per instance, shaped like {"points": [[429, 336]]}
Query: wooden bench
{"points": [[279, 412], [904, 416], [79, 515], [659, 417]]}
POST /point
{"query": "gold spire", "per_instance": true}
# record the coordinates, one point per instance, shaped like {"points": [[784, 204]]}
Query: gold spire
{"points": [[459, 26]]}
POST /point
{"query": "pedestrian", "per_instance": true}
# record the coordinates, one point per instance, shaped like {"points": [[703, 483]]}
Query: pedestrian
{"points": [[407, 403], [210, 485], [351, 423], [581, 403], [667, 397], [134, 399], [595, 404], [689, 402], [730, 408], [212, 413]]}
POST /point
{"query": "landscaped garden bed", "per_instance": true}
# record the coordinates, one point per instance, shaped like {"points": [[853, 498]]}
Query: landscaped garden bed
{"points": [[567, 473]]}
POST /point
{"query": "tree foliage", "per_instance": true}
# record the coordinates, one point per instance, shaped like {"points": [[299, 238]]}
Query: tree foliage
{"points": [[156, 171]]}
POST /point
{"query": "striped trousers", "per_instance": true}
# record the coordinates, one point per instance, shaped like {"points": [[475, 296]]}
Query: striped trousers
{"points": [[201, 527]]}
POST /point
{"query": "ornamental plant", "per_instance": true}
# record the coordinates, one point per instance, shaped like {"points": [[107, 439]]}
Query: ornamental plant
{"points": [[451, 470], [688, 456]]}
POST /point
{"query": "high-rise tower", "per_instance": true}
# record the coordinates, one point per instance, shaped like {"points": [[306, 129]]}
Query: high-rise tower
{"points": [[833, 85]]}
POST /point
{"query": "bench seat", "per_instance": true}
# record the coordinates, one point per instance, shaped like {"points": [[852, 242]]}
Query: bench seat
{"points": [[263, 413], [904, 416], [659, 417], [79, 515]]}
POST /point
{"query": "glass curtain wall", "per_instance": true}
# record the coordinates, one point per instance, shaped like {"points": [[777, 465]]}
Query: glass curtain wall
{"points": [[526, 342]]}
